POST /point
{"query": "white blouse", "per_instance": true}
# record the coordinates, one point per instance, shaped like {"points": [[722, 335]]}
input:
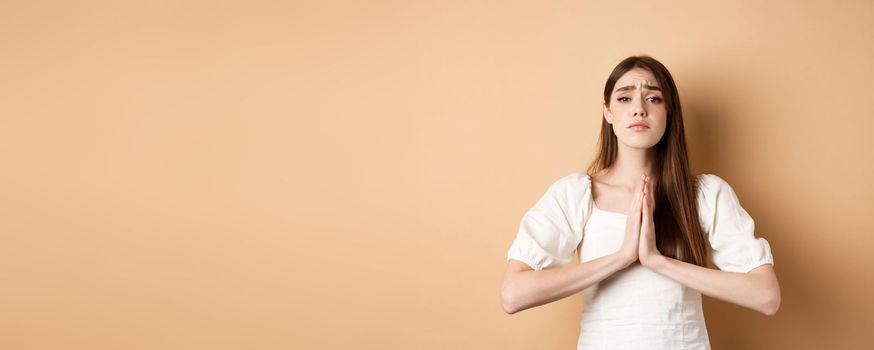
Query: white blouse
{"points": [[635, 308]]}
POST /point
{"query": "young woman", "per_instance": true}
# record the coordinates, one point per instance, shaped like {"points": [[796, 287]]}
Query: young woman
{"points": [[644, 229]]}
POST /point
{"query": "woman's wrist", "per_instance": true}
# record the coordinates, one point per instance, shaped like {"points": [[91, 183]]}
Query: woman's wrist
{"points": [[625, 259], [654, 261]]}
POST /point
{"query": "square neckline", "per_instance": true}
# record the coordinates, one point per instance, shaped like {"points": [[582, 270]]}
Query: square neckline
{"points": [[595, 206]]}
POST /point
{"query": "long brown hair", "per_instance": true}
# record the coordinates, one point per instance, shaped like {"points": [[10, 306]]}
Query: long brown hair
{"points": [[678, 230]]}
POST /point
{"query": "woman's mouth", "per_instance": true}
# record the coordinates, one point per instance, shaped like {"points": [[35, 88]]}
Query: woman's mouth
{"points": [[639, 127]]}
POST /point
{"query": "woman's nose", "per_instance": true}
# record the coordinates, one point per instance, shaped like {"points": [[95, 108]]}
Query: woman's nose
{"points": [[638, 109]]}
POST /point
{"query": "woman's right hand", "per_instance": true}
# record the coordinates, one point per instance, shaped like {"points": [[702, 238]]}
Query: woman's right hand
{"points": [[628, 252]]}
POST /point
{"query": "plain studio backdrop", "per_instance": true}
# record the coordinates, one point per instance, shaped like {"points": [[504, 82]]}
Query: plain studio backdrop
{"points": [[336, 175]]}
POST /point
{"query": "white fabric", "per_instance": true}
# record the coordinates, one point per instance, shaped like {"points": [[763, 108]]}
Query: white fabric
{"points": [[635, 308]]}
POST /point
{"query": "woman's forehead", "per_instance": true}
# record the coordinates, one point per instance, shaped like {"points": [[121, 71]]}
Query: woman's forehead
{"points": [[638, 78]]}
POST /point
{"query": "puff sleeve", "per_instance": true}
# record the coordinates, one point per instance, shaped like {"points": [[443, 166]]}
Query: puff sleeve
{"points": [[551, 230], [729, 228]]}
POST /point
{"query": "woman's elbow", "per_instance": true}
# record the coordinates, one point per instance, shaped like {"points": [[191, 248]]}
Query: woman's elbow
{"points": [[513, 295], [515, 288], [771, 303], [768, 289], [509, 301]]}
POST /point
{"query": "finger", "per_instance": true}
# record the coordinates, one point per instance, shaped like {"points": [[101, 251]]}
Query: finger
{"points": [[646, 216], [643, 187], [647, 188], [640, 199], [648, 210], [651, 199], [637, 199], [645, 205]]}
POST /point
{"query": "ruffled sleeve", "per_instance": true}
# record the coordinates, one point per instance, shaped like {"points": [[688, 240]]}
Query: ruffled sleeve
{"points": [[551, 230], [729, 228]]}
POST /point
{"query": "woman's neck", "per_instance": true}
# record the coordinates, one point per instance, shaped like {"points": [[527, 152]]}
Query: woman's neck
{"points": [[630, 164]]}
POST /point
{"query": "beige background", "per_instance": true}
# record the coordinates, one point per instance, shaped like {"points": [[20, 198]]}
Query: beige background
{"points": [[333, 175]]}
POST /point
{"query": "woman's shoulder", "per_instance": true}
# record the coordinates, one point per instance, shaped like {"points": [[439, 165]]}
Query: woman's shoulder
{"points": [[574, 184], [706, 184], [709, 182], [577, 177], [711, 187], [574, 180]]}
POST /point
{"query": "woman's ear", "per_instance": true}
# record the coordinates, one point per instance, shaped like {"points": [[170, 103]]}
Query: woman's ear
{"points": [[606, 110]]}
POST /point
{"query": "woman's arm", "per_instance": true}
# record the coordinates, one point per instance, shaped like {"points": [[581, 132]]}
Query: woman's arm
{"points": [[757, 289], [524, 288]]}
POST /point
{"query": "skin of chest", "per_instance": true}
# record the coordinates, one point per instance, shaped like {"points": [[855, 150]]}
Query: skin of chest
{"points": [[611, 198]]}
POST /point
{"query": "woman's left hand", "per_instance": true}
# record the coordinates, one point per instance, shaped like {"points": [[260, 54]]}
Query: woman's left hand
{"points": [[648, 253]]}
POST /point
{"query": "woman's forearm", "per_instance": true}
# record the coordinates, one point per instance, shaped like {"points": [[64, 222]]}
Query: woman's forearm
{"points": [[757, 290], [522, 290]]}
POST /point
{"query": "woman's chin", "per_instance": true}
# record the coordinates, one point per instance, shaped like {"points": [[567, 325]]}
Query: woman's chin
{"points": [[641, 144]]}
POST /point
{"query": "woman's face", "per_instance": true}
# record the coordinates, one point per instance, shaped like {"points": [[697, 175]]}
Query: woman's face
{"points": [[637, 109]]}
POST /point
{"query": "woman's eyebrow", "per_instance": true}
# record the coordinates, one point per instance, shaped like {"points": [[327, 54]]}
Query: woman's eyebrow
{"points": [[631, 87]]}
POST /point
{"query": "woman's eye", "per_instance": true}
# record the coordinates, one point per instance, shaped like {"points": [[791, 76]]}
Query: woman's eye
{"points": [[623, 99], [655, 99]]}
